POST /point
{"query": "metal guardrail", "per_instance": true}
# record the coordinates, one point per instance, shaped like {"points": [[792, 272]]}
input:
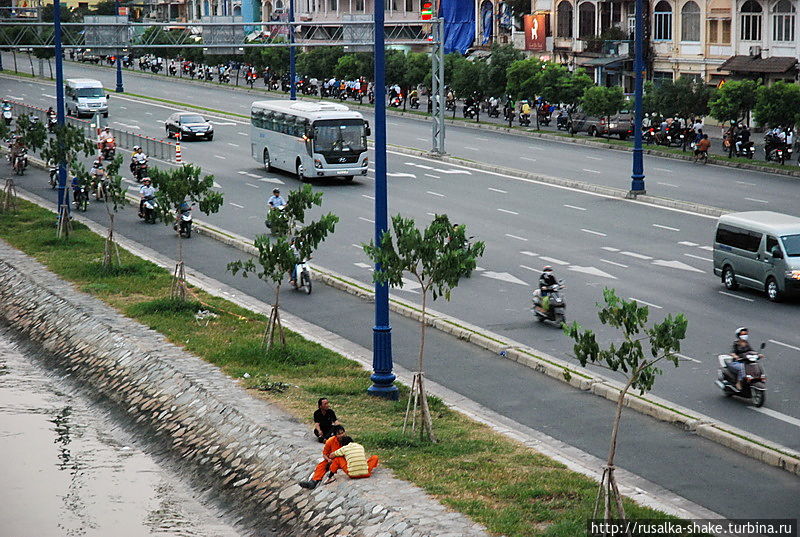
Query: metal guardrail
{"points": [[152, 147]]}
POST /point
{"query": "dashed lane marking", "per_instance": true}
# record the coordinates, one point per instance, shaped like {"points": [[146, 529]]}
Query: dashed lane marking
{"points": [[400, 174], [593, 158], [242, 134], [507, 211], [701, 258], [707, 248], [435, 194], [645, 303], [422, 139], [594, 232], [48, 96], [236, 205], [434, 176], [529, 254], [220, 157], [251, 184], [736, 296], [676, 265], [516, 237], [368, 197], [526, 267], [528, 159], [784, 345], [482, 139], [274, 180], [472, 148], [756, 200], [684, 357], [591, 171], [687, 243], [668, 228], [663, 170], [637, 256], [233, 145], [574, 207], [614, 263], [746, 183], [553, 260], [610, 249], [498, 190], [366, 220], [668, 184], [777, 415], [362, 265]]}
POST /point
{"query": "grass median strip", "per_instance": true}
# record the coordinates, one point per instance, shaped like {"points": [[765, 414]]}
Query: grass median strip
{"points": [[502, 484]]}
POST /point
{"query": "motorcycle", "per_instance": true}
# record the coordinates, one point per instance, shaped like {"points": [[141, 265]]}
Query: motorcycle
{"points": [[139, 169], [754, 384], [450, 104], [53, 176], [183, 224], [52, 121], [173, 70], [396, 101], [746, 150], [302, 277], [524, 120], [544, 118], [508, 115], [556, 305], [562, 122], [415, 103], [100, 187], [494, 111], [20, 162], [702, 157], [649, 136], [149, 208], [7, 115], [470, 111], [108, 149], [81, 198]]}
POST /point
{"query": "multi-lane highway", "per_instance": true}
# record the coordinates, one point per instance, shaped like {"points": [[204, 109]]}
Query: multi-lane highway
{"points": [[660, 257]]}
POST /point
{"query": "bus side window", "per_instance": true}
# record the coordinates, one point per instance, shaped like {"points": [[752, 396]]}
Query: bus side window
{"points": [[267, 120], [278, 122]]}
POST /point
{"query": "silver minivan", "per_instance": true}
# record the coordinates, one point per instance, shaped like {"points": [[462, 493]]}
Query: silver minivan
{"points": [[85, 97], [761, 250]]}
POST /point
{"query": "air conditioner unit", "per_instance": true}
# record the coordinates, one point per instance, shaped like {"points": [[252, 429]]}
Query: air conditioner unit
{"points": [[755, 51]]}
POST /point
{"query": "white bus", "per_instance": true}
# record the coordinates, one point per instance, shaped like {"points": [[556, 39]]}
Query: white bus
{"points": [[311, 139]]}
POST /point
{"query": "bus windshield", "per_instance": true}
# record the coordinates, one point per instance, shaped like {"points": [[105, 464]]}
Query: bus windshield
{"points": [[335, 136], [92, 93]]}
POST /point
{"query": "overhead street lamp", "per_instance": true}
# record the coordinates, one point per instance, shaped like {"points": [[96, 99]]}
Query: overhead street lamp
{"points": [[637, 179]]}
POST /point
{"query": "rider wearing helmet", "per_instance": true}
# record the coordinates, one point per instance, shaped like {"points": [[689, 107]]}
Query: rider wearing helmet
{"points": [[741, 348], [547, 280], [147, 190]]}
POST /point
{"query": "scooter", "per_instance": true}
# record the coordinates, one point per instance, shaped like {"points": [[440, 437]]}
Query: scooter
{"points": [[81, 198], [20, 162], [100, 188], [108, 149], [53, 176], [557, 306], [562, 122], [184, 223], [139, 169], [302, 277], [469, 112], [52, 121], [746, 150], [7, 115], [754, 384], [524, 120], [149, 210], [494, 111], [414, 103]]}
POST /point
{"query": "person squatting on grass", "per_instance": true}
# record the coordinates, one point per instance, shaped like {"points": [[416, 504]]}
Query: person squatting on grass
{"points": [[331, 444], [351, 458]]}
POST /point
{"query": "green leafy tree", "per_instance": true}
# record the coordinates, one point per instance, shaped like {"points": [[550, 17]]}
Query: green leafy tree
{"points": [[493, 78], [523, 78], [174, 187], [319, 62], [467, 76], [777, 105], [437, 257], [353, 66], [734, 100], [279, 253], [685, 98], [603, 101], [558, 85], [114, 200], [628, 358]]}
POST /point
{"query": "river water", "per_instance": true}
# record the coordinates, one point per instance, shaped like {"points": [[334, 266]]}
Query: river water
{"points": [[69, 469]]}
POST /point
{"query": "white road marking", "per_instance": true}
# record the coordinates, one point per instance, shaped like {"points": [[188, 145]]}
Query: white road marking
{"points": [[127, 126], [707, 248], [242, 172], [515, 237], [701, 258], [593, 158], [637, 256], [435, 194], [684, 357], [574, 207], [553, 260], [526, 267], [498, 190], [666, 227], [663, 170], [668, 184], [736, 296], [362, 265], [530, 254], [366, 220], [357, 246], [123, 107], [220, 157], [222, 122], [594, 232], [272, 180], [645, 303], [777, 415], [591, 171], [434, 176], [48, 96], [236, 205], [149, 113], [233, 145], [687, 243], [746, 183], [528, 158], [482, 139], [614, 263], [592, 271], [535, 148], [610, 249], [410, 285], [472, 148], [368, 197], [503, 276], [15, 98], [422, 139], [253, 175], [479, 269], [251, 184], [507, 211], [676, 265], [785, 345], [757, 200], [399, 174], [242, 134]]}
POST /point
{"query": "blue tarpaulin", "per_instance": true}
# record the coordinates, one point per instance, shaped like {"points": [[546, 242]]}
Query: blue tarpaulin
{"points": [[459, 24]]}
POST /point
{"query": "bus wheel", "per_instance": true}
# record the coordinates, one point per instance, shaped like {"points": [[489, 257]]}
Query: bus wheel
{"points": [[267, 161], [301, 172]]}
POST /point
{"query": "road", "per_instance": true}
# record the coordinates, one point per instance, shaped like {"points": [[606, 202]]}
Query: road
{"points": [[657, 256]]}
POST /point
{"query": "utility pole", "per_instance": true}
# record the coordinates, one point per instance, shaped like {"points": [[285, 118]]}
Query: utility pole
{"points": [[63, 199], [637, 179], [292, 54], [119, 88], [382, 376]]}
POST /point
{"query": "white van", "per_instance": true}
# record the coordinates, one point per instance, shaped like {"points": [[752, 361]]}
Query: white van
{"points": [[85, 97], [761, 250]]}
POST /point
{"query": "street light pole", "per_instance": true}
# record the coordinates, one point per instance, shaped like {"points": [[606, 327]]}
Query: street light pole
{"points": [[637, 179], [292, 55], [63, 200], [119, 88], [382, 376]]}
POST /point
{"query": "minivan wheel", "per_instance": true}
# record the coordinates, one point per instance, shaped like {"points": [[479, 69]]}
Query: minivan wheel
{"points": [[773, 292], [729, 279], [592, 132]]}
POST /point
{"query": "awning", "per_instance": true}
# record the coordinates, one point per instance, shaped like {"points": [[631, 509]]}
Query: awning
{"points": [[750, 64], [607, 62]]}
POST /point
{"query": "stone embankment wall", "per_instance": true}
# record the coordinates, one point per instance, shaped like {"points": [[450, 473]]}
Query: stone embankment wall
{"points": [[245, 452]]}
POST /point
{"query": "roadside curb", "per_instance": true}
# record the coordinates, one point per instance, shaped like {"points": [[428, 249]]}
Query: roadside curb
{"points": [[517, 131], [736, 439]]}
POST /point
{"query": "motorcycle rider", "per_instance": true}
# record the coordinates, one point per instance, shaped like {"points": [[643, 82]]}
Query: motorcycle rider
{"points": [[51, 118], [702, 147], [275, 200], [7, 114], [742, 138], [741, 348], [147, 190], [138, 159]]}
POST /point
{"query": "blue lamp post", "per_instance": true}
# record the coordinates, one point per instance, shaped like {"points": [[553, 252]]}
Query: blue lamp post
{"points": [[63, 200], [382, 376], [119, 88], [292, 56], [637, 179]]}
